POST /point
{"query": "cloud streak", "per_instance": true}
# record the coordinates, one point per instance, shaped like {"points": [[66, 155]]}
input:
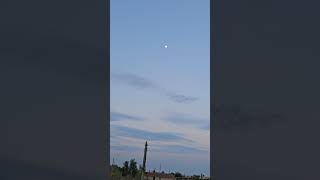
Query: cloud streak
{"points": [[125, 148], [123, 131], [163, 148], [180, 98], [116, 116], [143, 83], [133, 80], [186, 119], [179, 149]]}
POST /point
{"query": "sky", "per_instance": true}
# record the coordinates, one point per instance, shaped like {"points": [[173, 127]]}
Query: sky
{"points": [[157, 93]]}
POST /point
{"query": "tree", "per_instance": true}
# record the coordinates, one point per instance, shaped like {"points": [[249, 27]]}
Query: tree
{"points": [[178, 174], [115, 172], [125, 168], [139, 173], [196, 177], [133, 170]]}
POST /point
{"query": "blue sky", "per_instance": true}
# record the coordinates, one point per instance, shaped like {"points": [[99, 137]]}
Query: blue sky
{"points": [[161, 94]]}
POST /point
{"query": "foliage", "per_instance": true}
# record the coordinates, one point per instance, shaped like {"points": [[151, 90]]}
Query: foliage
{"points": [[196, 177], [116, 172], [178, 174], [125, 168], [130, 171], [133, 170], [138, 175]]}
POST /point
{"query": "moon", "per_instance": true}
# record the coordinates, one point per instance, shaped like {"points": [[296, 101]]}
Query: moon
{"points": [[165, 46]]}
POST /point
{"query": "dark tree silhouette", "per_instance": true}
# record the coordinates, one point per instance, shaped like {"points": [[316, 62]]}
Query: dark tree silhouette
{"points": [[178, 174], [125, 168], [133, 169]]}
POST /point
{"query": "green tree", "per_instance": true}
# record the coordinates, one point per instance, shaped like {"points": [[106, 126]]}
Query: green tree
{"points": [[139, 173], [125, 168], [133, 169], [196, 177], [178, 174], [115, 172]]}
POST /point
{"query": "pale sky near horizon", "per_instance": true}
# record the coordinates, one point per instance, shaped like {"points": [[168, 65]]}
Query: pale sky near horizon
{"points": [[160, 94]]}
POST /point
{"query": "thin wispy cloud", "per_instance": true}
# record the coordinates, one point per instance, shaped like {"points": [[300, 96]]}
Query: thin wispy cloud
{"points": [[179, 149], [118, 130], [116, 116], [133, 80], [181, 98], [163, 149], [125, 148], [144, 83], [187, 119]]}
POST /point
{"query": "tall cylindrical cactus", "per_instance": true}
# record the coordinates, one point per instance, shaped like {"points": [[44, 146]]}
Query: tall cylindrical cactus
{"points": [[144, 161]]}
